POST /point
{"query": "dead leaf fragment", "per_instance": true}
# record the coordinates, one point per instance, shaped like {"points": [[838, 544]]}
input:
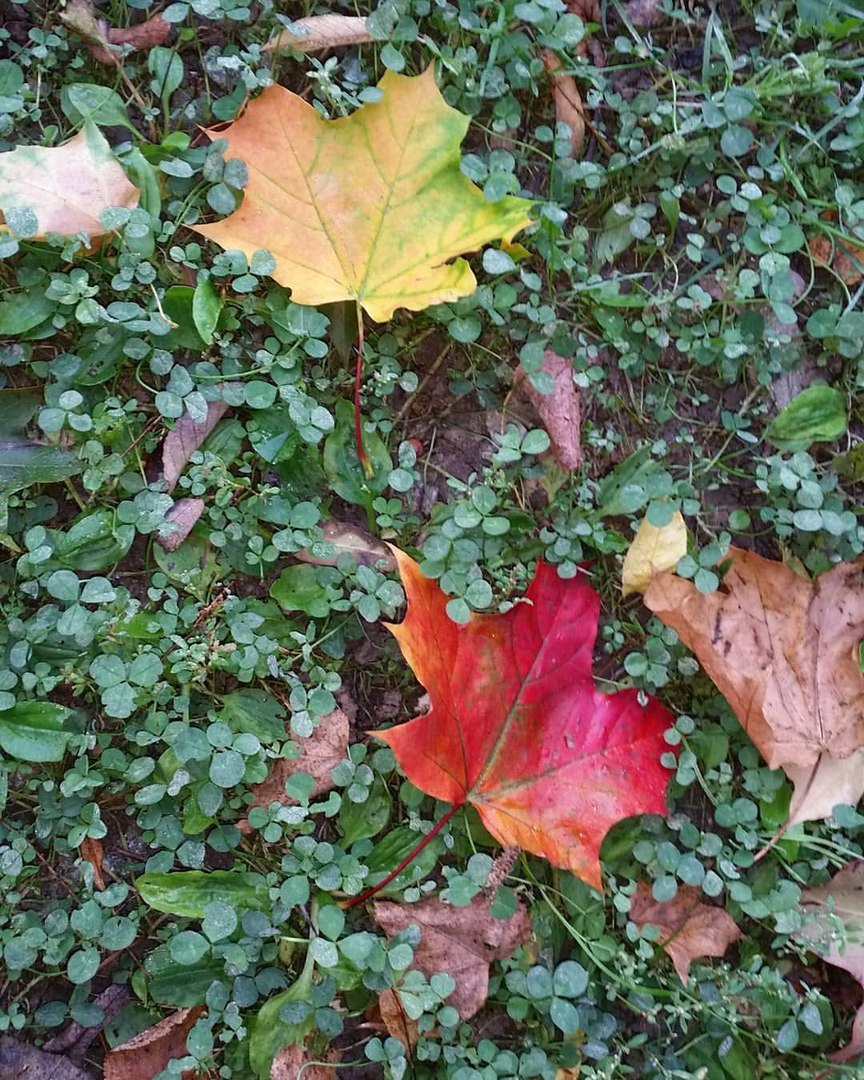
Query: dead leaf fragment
{"points": [[689, 928], [65, 187], [569, 108], [319, 754], [320, 32], [837, 934], [845, 259], [460, 941], [80, 17], [342, 539], [183, 440], [654, 549], [21, 1061], [293, 1063], [783, 651], [93, 852], [183, 516], [396, 1020], [644, 13], [149, 1053], [559, 411]]}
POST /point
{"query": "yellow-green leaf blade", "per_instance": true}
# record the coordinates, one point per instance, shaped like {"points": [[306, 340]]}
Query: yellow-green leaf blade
{"points": [[370, 207]]}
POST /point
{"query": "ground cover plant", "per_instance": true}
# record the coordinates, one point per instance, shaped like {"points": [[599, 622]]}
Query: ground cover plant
{"points": [[431, 579]]}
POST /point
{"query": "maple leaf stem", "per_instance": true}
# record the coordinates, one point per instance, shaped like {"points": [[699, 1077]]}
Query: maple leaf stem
{"points": [[365, 464], [410, 857]]}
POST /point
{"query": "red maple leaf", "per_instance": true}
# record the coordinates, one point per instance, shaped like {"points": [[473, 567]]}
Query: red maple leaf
{"points": [[516, 726]]}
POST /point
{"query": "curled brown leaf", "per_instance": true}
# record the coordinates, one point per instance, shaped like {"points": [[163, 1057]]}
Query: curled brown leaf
{"points": [[320, 32]]}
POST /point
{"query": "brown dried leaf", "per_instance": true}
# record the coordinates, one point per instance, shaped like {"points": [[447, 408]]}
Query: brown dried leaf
{"points": [[21, 1061], [148, 1054], [184, 439], [688, 927], [461, 941], [293, 1063], [319, 754], [845, 259], [569, 108], [396, 1020], [839, 905], [340, 539], [80, 17], [182, 515], [560, 410], [93, 852], [783, 651], [644, 13], [320, 32]]}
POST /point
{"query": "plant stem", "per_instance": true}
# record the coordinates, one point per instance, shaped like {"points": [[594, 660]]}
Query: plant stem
{"points": [[358, 427], [410, 857]]}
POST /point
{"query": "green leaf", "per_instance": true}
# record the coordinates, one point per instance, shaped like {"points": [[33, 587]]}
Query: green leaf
{"points": [[99, 104], [170, 983], [22, 312], [817, 414], [206, 308], [33, 731], [94, 542], [269, 1033], [254, 711], [342, 465], [361, 820], [297, 589], [188, 892]]}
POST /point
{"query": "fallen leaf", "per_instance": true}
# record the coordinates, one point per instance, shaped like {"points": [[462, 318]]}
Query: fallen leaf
{"points": [[182, 516], [148, 1054], [183, 440], [80, 17], [372, 207], [644, 13], [398, 1023], [319, 754], [459, 941], [843, 258], [560, 410], [342, 539], [320, 32], [517, 727], [65, 187], [569, 108], [783, 651], [653, 550], [93, 852], [21, 1061], [688, 928], [293, 1063], [74, 1038], [836, 932]]}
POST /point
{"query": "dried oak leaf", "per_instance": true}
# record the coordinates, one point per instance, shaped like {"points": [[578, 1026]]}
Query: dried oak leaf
{"points": [[65, 188], [560, 410], [320, 32], [688, 927], [836, 932], [372, 207], [517, 727], [783, 651], [320, 753], [184, 439], [149, 1053], [459, 941]]}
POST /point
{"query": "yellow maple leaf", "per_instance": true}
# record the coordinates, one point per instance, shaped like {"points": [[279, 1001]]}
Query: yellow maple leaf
{"points": [[66, 188], [369, 207], [654, 549]]}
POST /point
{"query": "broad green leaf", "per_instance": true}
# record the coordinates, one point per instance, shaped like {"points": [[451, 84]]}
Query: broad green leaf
{"points": [[343, 467], [817, 414], [206, 309], [171, 983], [94, 104], [254, 711], [269, 1032], [372, 207], [297, 589], [33, 731], [67, 187], [23, 311], [188, 892]]}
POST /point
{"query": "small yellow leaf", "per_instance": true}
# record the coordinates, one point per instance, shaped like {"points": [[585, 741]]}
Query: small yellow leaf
{"points": [[653, 550]]}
